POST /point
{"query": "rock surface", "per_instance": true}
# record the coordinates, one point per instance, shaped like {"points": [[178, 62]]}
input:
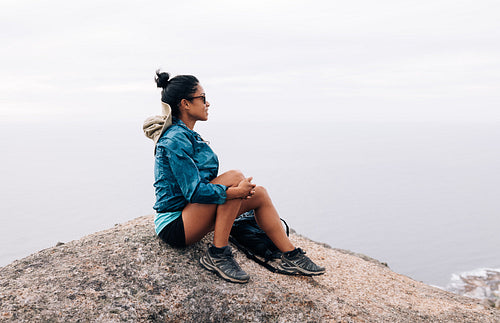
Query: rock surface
{"points": [[127, 274]]}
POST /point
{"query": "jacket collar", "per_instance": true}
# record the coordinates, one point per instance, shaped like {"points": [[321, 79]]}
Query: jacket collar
{"points": [[181, 123]]}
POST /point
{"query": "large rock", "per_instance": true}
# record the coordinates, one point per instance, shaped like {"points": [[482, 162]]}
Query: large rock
{"points": [[127, 274]]}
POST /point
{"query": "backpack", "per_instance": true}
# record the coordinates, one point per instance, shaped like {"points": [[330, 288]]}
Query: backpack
{"points": [[248, 237]]}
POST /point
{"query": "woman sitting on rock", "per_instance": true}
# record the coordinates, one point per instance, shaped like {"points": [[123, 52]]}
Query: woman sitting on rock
{"points": [[192, 199]]}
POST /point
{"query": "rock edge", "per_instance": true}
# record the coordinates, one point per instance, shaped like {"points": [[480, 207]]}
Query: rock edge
{"points": [[127, 274]]}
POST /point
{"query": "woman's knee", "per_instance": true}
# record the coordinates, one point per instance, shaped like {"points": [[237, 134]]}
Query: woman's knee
{"points": [[230, 178], [261, 194], [236, 174], [261, 190]]}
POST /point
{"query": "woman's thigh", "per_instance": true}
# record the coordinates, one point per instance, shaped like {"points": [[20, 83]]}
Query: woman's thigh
{"points": [[199, 219], [229, 178]]}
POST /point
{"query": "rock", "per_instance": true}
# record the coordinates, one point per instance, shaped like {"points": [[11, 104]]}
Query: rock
{"points": [[488, 302], [127, 274]]}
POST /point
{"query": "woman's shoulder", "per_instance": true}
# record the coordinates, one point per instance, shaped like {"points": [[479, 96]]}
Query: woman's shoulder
{"points": [[174, 137]]}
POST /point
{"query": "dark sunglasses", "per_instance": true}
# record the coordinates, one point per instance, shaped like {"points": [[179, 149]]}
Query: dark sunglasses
{"points": [[199, 97]]}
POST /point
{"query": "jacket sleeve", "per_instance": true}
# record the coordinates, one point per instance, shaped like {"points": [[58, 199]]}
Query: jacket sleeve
{"points": [[187, 175]]}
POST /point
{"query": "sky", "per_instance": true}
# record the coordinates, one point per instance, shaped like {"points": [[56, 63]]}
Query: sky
{"points": [[322, 62], [315, 61]]}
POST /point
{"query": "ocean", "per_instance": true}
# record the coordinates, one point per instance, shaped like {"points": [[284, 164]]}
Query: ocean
{"points": [[422, 197]]}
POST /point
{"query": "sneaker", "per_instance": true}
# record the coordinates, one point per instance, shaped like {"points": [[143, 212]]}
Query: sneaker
{"points": [[296, 262], [224, 265]]}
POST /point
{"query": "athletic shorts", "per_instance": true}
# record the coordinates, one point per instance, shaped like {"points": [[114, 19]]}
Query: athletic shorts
{"points": [[173, 233]]}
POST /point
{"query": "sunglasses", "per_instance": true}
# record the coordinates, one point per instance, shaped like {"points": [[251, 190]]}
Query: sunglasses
{"points": [[199, 97]]}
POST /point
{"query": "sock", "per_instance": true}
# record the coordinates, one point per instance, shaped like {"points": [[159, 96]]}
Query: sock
{"points": [[293, 253], [217, 251]]}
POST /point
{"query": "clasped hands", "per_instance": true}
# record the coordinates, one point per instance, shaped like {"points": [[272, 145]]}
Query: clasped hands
{"points": [[247, 188]]}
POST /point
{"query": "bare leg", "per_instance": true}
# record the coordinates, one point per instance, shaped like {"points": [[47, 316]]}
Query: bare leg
{"points": [[226, 213], [199, 219], [267, 218]]}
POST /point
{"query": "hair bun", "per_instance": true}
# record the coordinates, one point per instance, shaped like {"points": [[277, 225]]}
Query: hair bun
{"points": [[162, 79]]}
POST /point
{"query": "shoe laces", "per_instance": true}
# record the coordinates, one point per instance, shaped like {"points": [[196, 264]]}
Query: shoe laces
{"points": [[302, 261], [227, 261]]}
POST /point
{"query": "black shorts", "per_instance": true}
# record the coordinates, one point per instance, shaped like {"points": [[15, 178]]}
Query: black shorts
{"points": [[173, 233]]}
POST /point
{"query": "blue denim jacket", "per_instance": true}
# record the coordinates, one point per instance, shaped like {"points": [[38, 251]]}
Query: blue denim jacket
{"points": [[184, 166]]}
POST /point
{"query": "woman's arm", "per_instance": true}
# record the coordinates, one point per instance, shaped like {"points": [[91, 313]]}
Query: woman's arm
{"points": [[187, 175]]}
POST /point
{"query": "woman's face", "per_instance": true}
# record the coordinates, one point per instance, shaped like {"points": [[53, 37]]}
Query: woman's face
{"points": [[198, 107]]}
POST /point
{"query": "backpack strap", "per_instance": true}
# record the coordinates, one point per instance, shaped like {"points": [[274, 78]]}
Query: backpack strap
{"points": [[252, 256], [287, 228]]}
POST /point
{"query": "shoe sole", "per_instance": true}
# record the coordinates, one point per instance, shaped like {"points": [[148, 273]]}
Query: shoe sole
{"points": [[207, 265]]}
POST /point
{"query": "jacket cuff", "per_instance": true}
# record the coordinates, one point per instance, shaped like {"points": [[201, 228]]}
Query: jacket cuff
{"points": [[221, 190]]}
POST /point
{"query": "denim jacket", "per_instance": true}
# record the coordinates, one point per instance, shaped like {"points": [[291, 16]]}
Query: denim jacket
{"points": [[184, 166]]}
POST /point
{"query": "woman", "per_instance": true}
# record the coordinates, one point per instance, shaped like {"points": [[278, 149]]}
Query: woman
{"points": [[192, 199]]}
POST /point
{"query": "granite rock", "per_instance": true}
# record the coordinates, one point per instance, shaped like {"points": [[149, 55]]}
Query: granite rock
{"points": [[127, 274]]}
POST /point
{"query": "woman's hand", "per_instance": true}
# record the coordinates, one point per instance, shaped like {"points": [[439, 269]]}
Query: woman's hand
{"points": [[247, 188], [244, 190]]}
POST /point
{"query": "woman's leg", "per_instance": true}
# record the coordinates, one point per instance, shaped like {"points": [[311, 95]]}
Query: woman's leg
{"points": [[199, 219], [226, 213], [293, 261], [267, 218]]}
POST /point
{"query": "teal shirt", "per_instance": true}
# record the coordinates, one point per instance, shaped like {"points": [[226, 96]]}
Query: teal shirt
{"points": [[163, 219]]}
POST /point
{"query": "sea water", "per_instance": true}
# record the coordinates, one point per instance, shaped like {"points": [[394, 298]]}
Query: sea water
{"points": [[421, 197]]}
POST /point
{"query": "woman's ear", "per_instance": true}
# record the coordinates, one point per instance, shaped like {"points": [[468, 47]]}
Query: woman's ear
{"points": [[185, 104]]}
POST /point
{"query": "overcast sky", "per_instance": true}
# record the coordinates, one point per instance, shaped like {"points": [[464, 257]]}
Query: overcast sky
{"points": [[274, 60]]}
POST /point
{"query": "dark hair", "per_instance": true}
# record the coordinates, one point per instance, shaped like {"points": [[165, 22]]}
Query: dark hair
{"points": [[176, 89]]}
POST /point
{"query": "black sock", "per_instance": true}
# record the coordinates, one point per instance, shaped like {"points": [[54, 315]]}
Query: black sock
{"points": [[216, 251], [292, 253]]}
